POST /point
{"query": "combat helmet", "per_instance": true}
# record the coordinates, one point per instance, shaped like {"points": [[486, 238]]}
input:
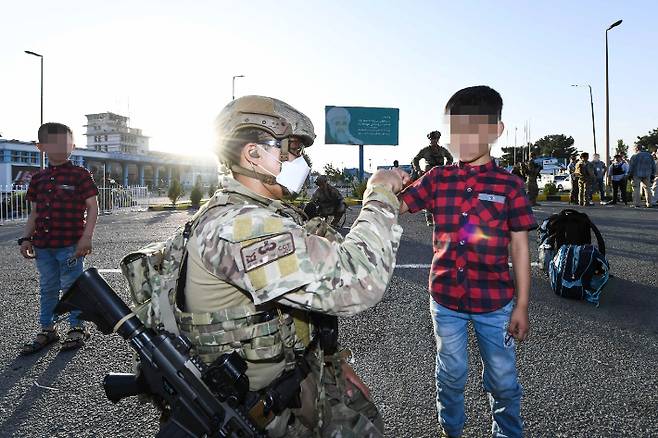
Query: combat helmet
{"points": [[267, 114], [434, 134]]}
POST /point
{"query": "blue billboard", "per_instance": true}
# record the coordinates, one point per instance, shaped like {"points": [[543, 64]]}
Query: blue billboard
{"points": [[360, 125]]}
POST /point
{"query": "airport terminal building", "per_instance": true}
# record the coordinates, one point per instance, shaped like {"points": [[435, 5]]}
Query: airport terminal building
{"points": [[115, 154]]}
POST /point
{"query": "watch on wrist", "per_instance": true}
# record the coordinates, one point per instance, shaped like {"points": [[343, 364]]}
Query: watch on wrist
{"points": [[24, 239]]}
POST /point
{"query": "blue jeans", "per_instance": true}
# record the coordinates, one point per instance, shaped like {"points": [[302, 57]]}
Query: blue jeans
{"points": [[500, 380], [58, 269]]}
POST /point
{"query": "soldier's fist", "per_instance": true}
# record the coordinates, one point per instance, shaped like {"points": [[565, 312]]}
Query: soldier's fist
{"points": [[395, 179]]}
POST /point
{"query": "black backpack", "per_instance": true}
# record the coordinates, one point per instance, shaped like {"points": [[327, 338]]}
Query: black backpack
{"points": [[568, 227]]}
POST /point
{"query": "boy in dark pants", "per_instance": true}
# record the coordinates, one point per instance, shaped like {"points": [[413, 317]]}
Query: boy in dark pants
{"points": [[56, 233], [479, 209]]}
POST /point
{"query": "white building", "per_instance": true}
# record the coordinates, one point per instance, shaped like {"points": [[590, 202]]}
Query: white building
{"points": [[20, 159], [109, 132]]}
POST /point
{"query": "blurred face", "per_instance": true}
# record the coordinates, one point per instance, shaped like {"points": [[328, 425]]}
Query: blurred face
{"points": [[434, 141], [597, 157], [471, 136], [58, 147]]}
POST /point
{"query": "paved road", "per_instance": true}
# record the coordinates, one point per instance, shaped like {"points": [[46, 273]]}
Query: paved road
{"points": [[586, 371]]}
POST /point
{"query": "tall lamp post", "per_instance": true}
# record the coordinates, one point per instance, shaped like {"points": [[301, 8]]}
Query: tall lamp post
{"points": [[42, 154], [607, 97], [233, 92], [591, 103]]}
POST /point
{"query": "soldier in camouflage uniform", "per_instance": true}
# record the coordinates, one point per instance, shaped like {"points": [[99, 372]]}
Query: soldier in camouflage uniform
{"points": [[434, 155], [255, 274], [530, 171]]}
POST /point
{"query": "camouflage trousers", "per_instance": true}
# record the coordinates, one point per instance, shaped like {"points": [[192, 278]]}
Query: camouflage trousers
{"points": [[584, 191], [533, 192], [332, 414]]}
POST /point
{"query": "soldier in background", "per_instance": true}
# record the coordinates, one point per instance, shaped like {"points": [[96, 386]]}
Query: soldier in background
{"points": [[261, 283], [434, 155], [530, 171], [326, 201], [573, 198], [585, 173]]}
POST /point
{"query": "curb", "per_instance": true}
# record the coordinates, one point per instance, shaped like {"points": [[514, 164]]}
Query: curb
{"points": [[563, 198]]}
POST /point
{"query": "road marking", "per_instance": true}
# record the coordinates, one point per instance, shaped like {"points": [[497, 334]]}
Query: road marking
{"points": [[109, 271], [426, 266]]}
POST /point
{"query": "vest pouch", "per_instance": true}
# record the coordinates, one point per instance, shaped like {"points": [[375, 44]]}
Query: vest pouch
{"points": [[142, 270]]}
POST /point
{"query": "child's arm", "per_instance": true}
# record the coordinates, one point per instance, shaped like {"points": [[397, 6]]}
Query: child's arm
{"points": [[519, 324], [84, 244], [26, 247]]}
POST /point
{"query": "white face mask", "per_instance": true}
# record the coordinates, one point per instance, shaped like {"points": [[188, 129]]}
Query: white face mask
{"points": [[293, 173]]}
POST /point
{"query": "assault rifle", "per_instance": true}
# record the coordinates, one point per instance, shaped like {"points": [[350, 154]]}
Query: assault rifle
{"points": [[203, 400]]}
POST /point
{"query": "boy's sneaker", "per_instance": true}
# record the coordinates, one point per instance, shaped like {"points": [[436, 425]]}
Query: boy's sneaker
{"points": [[75, 338], [444, 434]]}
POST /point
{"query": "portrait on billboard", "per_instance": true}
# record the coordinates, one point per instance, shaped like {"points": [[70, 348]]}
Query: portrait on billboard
{"points": [[338, 127]]}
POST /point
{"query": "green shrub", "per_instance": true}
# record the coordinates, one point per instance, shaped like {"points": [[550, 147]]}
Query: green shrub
{"points": [[358, 188], [175, 191], [550, 188], [195, 196]]}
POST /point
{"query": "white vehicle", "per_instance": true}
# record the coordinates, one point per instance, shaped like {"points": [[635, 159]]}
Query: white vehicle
{"points": [[562, 182]]}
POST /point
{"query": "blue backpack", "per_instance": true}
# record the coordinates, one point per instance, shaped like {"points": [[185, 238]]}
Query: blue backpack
{"points": [[579, 272]]}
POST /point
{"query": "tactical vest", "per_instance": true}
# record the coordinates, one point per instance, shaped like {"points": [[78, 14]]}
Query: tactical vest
{"points": [[154, 279], [618, 169]]}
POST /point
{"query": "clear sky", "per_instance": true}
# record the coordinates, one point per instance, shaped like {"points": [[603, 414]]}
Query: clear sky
{"points": [[169, 64]]}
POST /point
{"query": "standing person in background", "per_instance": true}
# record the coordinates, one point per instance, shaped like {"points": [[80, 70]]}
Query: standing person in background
{"points": [[599, 176], [585, 173], [641, 171], [434, 155], [573, 198], [530, 171], [618, 171], [654, 186]]}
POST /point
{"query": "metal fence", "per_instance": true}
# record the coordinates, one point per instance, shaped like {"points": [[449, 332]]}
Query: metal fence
{"points": [[14, 206], [123, 199]]}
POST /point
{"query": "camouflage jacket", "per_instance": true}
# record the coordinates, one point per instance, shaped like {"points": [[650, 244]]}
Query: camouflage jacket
{"points": [[261, 250], [438, 156]]}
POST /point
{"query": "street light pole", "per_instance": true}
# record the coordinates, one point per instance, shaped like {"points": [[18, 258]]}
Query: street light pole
{"points": [[42, 155], [607, 97], [591, 103], [233, 92]]}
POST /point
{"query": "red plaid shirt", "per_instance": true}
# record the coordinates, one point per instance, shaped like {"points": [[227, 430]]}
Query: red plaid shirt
{"points": [[60, 193], [475, 208]]}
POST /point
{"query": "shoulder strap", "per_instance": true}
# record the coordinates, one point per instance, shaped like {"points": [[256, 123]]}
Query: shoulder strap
{"points": [[190, 226], [599, 237]]}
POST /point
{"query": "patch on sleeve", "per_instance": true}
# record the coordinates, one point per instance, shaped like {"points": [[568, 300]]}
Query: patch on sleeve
{"points": [[266, 251]]}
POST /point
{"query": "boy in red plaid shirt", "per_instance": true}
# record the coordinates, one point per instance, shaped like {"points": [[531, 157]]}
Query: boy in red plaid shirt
{"points": [[57, 234], [479, 210]]}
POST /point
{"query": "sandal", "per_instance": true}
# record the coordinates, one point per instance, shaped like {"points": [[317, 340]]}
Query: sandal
{"points": [[75, 338], [43, 339]]}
